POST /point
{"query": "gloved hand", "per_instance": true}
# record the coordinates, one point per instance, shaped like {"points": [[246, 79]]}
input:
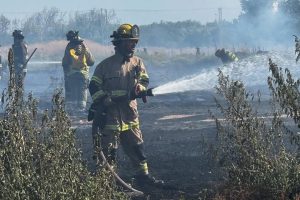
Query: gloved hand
{"points": [[139, 89], [141, 92], [108, 101], [78, 50]]}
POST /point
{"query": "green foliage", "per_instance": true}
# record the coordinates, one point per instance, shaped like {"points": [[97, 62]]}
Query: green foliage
{"points": [[96, 24], [174, 34], [254, 152], [38, 154], [52, 24], [4, 27], [45, 25], [285, 90]]}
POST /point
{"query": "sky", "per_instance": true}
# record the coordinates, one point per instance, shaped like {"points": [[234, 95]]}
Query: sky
{"points": [[139, 12]]}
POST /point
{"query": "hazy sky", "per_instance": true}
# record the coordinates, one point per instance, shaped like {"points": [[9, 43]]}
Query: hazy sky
{"points": [[133, 11]]}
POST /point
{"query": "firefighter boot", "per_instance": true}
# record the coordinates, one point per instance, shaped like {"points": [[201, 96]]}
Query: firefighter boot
{"points": [[144, 180]]}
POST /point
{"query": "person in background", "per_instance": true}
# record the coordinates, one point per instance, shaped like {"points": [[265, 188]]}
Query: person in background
{"points": [[116, 83], [20, 53], [76, 62], [226, 56]]}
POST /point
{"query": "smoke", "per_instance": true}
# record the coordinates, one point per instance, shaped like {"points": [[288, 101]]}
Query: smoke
{"points": [[268, 28], [265, 28], [252, 71]]}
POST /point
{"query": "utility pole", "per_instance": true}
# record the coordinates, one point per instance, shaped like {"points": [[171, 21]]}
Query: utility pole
{"points": [[220, 23], [220, 15]]}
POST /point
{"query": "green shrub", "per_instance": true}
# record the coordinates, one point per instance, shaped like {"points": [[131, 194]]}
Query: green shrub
{"points": [[38, 154], [253, 151]]}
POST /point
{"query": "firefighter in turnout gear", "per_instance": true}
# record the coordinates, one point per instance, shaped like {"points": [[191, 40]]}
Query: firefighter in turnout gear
{"points": [[115, 84], [20, 53], [226, 56], [76, 62]]}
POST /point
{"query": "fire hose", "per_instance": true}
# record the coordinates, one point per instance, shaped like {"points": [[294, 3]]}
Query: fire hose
{"points": [[135, 192], [95, 126]]}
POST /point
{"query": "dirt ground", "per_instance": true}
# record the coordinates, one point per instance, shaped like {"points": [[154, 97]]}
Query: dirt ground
{"points": [[177, 131]]}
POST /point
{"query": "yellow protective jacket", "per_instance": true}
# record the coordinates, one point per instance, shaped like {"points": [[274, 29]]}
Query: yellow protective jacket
{"points": [[232, 56], [116, 77], [77, 59]]}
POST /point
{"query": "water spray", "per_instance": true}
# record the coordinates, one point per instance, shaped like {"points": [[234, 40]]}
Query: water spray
{"points": [[252, 70]]}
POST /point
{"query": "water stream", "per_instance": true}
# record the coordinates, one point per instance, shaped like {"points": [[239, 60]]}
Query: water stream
{"points": [[252, 71]]}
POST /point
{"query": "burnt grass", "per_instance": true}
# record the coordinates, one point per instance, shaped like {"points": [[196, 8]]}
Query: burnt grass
{"points": [[179, 138], [178, 133]]}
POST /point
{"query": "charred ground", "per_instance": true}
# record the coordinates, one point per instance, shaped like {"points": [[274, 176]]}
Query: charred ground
{"points": [[177, 132]]}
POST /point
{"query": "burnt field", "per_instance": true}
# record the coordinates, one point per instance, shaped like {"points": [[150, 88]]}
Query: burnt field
{"points": [[177, 132], [179, 136]]}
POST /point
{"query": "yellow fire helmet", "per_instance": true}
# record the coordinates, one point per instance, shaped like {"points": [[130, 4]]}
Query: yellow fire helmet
{"points": [[126, 32]]}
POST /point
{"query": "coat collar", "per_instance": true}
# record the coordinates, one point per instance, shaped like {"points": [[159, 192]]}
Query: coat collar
{"points": [[121, 57]]}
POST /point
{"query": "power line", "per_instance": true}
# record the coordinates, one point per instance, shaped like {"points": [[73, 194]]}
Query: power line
{"points": [[132, 10]]}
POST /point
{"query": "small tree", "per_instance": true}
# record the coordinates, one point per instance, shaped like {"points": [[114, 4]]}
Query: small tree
{"points": [[49, 24], [39, 158], [4, 28], [253, 151], [96, 24]]}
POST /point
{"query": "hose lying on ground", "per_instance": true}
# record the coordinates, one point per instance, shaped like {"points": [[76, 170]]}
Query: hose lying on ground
{"points": [[135, 192]]}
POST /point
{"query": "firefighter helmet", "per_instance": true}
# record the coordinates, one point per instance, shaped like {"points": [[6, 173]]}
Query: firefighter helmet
{"points": [[220, 52], [18, 34], [126, 32], [73, 36]]}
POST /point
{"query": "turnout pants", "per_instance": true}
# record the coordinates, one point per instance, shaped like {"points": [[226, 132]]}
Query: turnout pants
{"points": [[76, 90], [131, 142]]}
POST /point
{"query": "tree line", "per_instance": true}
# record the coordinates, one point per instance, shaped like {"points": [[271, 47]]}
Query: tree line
{"points": [[258, 24], [52, 24]]}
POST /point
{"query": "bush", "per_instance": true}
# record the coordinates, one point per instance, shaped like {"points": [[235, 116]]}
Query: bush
{"points": [[38, 154], [254, 153]]}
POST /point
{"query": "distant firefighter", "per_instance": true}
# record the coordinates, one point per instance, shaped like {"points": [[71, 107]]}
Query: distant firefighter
{"points": [[20, 53], [226, 56], [76, 62]]}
